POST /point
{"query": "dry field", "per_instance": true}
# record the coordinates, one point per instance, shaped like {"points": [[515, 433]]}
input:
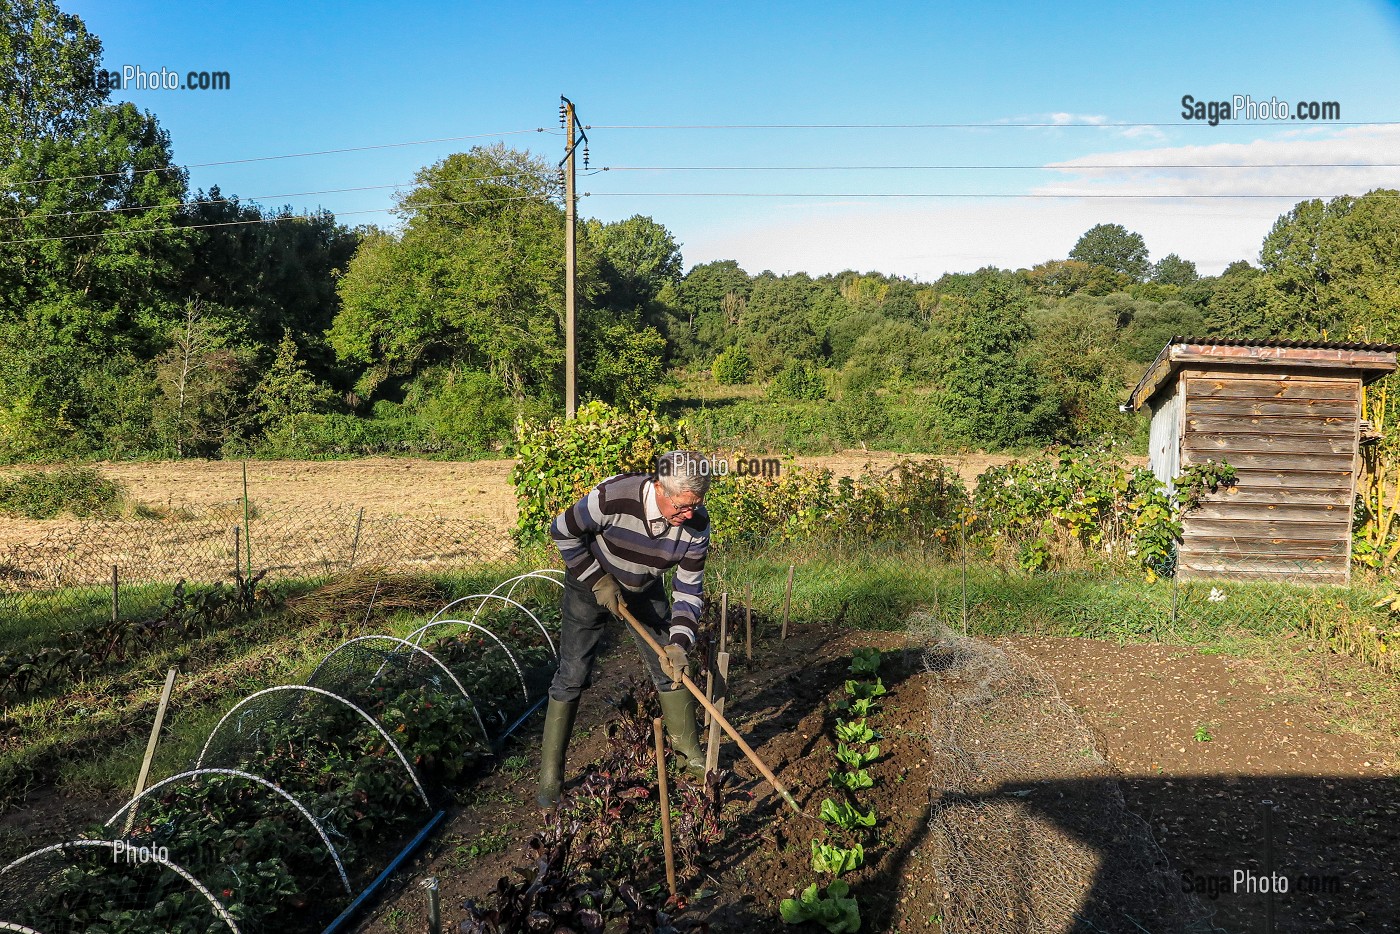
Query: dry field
{"points": [[477, 491]]}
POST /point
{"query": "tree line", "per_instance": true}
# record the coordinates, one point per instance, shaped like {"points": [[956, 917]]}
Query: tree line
{"points": [[141, 318]]}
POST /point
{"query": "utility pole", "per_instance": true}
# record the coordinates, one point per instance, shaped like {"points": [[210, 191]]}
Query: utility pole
{"points": [[569, 119]]}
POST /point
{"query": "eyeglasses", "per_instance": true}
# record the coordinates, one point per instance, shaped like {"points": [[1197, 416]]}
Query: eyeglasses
{"points": [[678, 508]]}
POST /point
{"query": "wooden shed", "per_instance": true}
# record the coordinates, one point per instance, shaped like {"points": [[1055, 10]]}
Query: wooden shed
{"points": [[1287, 416]]}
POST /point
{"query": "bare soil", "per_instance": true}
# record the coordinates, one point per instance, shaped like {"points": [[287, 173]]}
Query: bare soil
{"points": [[1334, 822]]}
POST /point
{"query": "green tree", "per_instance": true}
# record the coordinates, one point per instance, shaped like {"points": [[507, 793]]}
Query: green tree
{"points": [[638, 257], [287, 387], [710, 304], [1296, 271], [1113, 247], [991, 394], [475, 278], [1173, 270], [47, 61], [89, 200], [1078, 361], [202, 378], [280, 269], [798, 380], [625, 364], [732, 366], [1060, 278], [778, 323]]}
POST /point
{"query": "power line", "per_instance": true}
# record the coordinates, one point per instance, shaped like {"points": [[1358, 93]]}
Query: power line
{"points": [[290, 155], [264, 220], [1065, 167], [925, 194], [249, 198], [952, 126]]}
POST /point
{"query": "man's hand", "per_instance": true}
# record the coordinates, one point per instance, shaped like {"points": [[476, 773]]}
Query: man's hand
{"points": [[608, 592], [676, 662]]}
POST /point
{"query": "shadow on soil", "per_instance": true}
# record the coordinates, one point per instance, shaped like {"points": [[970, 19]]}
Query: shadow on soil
{"points": [[1329, 846]]}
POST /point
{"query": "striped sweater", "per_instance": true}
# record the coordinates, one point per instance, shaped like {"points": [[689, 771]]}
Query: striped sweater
{"points": [[607, 532]]}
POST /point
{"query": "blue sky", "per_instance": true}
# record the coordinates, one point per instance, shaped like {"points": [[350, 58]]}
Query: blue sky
{"points": [[316, 75]]}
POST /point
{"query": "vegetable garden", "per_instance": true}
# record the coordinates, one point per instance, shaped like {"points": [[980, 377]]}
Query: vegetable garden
{"points": [[302, 793]]}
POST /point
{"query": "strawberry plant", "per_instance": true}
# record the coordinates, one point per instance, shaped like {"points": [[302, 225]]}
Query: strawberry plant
{"points": [[832, 909]]}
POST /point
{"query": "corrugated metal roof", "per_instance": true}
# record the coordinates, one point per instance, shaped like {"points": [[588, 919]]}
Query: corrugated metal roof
{"points": [[1259, 342], [1160, 371]]}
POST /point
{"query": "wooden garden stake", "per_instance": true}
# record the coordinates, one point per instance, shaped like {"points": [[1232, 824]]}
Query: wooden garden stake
{"points": [[665, 807], [715, 736], [787, 599], [151, 745], [699, 696], [748, 625], [724, 621], [709, 691]]}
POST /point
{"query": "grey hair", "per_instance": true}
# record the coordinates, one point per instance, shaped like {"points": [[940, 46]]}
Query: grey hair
{"points": [[683, 472]]}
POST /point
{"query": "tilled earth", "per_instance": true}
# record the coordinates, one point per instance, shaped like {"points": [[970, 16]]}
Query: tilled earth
{"points": [[1334, 820]]}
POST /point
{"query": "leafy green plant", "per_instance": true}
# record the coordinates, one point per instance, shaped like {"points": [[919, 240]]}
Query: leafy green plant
{"points": [[851, 781], [43, 494], [854, 731], [865, 690], [559, 461], [798, 380], [845, 815], [732, 366], [833, 910], [860, 708], [1202, 733], [865, 661], [854, 758], [1196, 480], [835, 860]]}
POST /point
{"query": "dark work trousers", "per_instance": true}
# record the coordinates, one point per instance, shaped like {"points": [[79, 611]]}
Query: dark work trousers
{"points": [[582, 630]]}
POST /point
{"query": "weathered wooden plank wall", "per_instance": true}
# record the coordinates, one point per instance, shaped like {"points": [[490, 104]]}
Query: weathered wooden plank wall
{"points": [[1292, 435]]}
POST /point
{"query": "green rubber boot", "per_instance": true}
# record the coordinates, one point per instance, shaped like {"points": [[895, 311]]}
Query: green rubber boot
{"points": [[558, 726], [678, 710]]}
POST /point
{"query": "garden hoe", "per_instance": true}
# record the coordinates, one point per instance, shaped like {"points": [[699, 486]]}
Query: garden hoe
{"points": [[700, 698]]}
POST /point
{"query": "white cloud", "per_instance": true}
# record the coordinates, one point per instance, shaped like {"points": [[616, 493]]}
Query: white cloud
{"points": [[928, 238]]}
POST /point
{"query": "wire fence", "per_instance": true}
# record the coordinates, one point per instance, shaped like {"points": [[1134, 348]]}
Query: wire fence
{"points": [[112, 569]]}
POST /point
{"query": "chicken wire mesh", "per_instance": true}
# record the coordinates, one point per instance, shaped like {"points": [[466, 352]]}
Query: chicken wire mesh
{"points": [[1022, 803]]}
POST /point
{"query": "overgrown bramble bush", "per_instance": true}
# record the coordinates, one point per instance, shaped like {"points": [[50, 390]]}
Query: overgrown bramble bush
{"points": [[732, 367], [43, 494], [1086, 498], [559, 461], [912, 500]]}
